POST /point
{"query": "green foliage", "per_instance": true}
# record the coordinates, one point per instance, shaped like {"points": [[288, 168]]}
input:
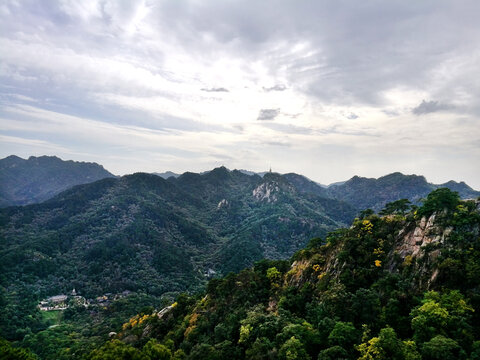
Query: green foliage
{"points": [[443, 314], [396, 207], [439, 200], [154, 350], [293, 349], [333, 353], [274, 276], [441, 348], [387, 346], [8, 352], [261, 349], [344, 335], [365, 214], [144, 234], [117, 350], [313, 307]]}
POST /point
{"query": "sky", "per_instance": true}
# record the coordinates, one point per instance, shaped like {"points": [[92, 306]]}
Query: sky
{"points": [[327, 89]]}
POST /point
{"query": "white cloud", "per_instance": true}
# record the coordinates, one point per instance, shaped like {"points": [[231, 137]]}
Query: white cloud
{"points": [[128, 79]]}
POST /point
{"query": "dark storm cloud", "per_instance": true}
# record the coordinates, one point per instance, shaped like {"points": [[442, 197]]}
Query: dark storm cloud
{"points": [[268, 114], [426, 107]]}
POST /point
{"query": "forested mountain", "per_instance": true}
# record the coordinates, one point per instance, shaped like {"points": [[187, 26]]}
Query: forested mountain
{"points": [[37, 179], [372, 193], [145, 234], [401, 286], [128, 245]]}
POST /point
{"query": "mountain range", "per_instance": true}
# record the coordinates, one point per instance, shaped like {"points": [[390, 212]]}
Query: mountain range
{"points": [[364, 193], [141, 232], [403, 285], [37, 179], [154, 238]]}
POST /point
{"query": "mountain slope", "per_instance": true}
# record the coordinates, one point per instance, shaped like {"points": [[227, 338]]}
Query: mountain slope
{"points": [[143, 233], [392, 287], [365, 193], [37, 179]]}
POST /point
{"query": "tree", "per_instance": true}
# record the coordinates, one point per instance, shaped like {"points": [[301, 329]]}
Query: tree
{"points": [[293, 349], [333, 353], [117, 350], [274, 276], [260, 350], [441, 348], [439, 200], [203, 352], [396, 207], [442, 314], [8, 352], [343, 334], [156, 351], [428, 319], [364, 214], [387, 346]]}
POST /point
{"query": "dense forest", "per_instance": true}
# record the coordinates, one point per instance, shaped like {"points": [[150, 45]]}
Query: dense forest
{"points": [[401, 284]]}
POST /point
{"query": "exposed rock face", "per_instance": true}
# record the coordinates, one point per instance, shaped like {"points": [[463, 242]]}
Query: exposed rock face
{"points": [[165, 311], [424, 242], [416, 251], [426, 232], [267, 192], [222, 203]]}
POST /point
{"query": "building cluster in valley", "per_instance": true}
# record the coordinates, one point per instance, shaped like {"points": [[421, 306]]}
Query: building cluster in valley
{"points": [[63, 302]]}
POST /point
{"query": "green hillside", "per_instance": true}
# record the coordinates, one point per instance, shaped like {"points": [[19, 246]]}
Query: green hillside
{"points": [[151, 237], [399, 286]]}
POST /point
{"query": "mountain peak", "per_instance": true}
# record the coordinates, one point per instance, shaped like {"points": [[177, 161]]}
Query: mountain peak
{"points": [[221, 171], [40, 178]]}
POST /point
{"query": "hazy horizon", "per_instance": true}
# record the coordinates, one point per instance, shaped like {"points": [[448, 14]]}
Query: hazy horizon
{"points": [[328, 90], [253, 171]]}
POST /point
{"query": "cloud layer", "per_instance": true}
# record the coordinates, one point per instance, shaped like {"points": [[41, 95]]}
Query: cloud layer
{"points": [[344, 88]]}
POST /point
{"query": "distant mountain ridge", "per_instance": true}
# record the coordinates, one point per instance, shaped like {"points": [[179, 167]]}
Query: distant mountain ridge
{"points": [[362, 192], [40, 178], [373, 193], [36, 179], [166, 174]]}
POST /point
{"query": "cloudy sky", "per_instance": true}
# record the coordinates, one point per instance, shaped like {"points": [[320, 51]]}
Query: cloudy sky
{"points": [[328, 89]]}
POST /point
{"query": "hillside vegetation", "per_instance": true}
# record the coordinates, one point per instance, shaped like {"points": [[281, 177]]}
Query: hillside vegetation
{"points": [[151, 237], [119, 248], [404, 285]]}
